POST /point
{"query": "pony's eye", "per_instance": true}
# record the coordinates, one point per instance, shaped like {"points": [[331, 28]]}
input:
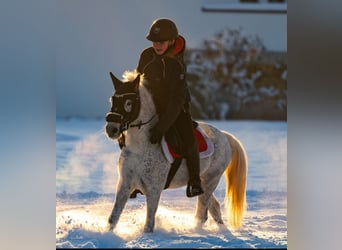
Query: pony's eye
{"points": [[128, 106]]}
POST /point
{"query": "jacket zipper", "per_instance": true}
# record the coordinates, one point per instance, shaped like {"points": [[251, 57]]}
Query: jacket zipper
{"points": [[163, 68]]}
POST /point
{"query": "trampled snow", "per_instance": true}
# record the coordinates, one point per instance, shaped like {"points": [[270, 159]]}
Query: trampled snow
{"points": [[86, 178]]}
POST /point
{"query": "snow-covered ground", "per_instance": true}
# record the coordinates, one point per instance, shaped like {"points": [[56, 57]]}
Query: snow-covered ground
{"points": [[86, 178]]}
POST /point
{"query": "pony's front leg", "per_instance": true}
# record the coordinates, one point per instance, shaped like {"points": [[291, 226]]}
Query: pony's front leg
{"points": [[152, 200], [122, 195]]}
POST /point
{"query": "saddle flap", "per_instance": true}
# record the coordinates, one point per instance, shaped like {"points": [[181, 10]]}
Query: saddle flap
{"points": [[205, 146]]}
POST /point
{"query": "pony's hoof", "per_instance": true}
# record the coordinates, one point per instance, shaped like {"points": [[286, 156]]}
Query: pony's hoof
{"points": [[199, 222], [110, 227], [219, 221], [148, 230]]}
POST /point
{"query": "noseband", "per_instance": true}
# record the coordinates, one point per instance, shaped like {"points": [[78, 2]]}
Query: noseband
{"points": [[125, 109]]}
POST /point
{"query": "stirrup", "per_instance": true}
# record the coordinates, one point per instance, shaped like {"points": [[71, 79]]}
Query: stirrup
{"points": [[193, 191]]}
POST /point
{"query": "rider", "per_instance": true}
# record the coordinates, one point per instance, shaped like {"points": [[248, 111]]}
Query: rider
{"points": [[164, 68]]}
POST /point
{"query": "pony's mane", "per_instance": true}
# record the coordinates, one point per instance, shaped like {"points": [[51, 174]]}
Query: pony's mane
{"points": [[129, 75]]}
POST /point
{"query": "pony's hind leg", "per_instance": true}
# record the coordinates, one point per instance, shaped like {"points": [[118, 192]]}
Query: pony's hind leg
{"points": [[202, 208], [207, 201], [215, 210]]}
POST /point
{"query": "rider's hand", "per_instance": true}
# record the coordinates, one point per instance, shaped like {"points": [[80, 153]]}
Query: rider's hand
{"points": [[155, 135]]}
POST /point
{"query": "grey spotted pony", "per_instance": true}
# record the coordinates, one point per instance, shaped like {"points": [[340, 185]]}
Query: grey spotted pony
{"points": [[143, 166]]}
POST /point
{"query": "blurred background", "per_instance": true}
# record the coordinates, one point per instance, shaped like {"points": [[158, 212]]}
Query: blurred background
{"points": [[236, 54], [30, 80]]}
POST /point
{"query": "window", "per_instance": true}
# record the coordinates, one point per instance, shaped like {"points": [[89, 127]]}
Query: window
{"points": [[253, 6]]}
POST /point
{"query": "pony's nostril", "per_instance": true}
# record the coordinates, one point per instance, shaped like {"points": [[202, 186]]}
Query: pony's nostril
{"points": [[111, 131]]}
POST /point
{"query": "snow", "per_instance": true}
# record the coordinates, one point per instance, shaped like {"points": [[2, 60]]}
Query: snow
{"points": [[86, 178]]}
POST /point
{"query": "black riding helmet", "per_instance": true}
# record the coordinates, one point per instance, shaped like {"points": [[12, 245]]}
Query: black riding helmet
{"points": [[162, 30]]}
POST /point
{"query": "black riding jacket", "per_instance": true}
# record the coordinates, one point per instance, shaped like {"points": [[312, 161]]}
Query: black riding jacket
{"points": [[166, 77]]}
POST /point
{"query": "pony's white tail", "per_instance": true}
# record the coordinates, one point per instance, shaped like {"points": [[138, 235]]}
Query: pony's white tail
{"points": [[236, 182]]}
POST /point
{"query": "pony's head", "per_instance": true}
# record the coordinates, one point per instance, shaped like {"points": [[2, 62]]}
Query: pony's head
{"points": [[125, 104]]}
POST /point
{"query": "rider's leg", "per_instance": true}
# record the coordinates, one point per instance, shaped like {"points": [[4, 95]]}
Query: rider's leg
{"points": [[190, 152]]}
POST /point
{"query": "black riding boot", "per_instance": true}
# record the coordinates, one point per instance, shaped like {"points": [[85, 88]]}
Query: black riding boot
{"points": [[194, 186], [184, 126]]}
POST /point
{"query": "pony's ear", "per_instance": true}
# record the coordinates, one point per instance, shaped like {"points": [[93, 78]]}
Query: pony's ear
{"points": [[116, 81], [136, 82]]}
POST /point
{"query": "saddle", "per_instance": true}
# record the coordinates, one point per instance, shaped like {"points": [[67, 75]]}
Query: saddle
{"points": [[172, 148], [172, 144]]}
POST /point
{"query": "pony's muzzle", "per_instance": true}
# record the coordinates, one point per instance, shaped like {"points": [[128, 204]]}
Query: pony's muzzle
{"points": [[113, 124], [113, 130]]}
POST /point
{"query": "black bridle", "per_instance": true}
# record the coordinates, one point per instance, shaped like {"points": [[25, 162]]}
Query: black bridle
{"points": [[125, 109]]}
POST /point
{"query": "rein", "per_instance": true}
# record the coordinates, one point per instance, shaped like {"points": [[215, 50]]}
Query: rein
{"points": [[138, 125], [141, 123], [122, 138]]}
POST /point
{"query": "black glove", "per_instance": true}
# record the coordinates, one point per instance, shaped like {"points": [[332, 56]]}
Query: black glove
{"points": [[155, 135]]}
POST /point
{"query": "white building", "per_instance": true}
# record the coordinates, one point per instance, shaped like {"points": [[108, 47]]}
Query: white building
{"points": [[95, 37]]}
